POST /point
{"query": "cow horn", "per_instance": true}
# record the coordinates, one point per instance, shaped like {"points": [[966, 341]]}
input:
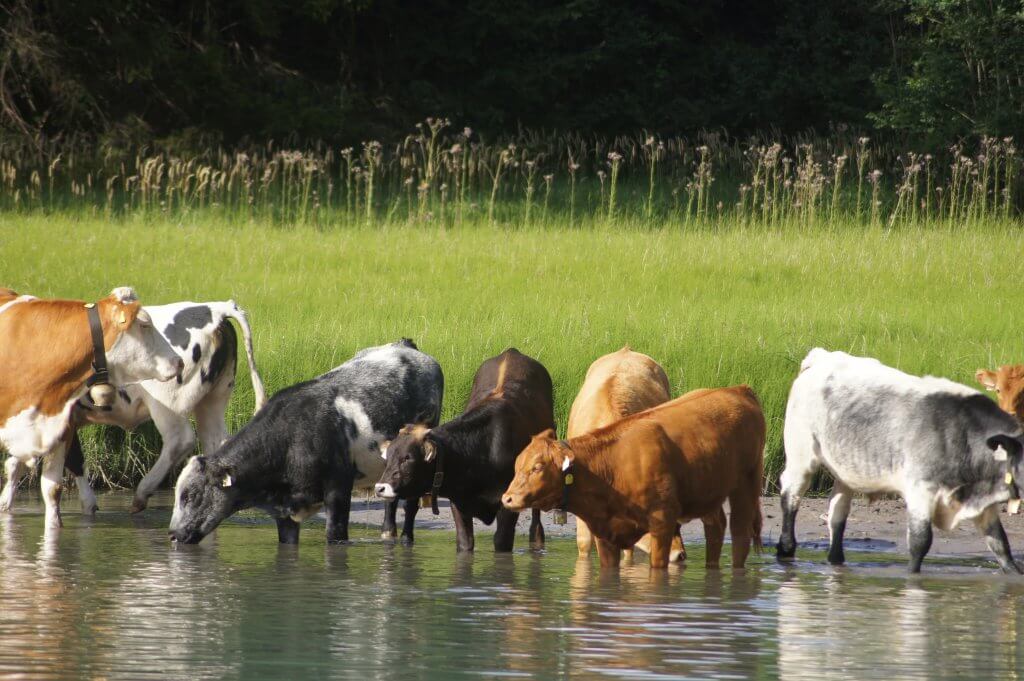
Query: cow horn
{"points": [[103, 394]]}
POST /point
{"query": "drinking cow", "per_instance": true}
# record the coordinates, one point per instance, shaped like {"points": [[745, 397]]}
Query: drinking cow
{"points": [[311, 444]]}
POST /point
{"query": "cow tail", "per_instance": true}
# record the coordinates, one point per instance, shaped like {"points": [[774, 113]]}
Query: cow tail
{"points": [[238, 314]]}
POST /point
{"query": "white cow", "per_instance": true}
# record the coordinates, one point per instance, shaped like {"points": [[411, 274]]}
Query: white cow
{"points": [[948, 450], [203, 337]]}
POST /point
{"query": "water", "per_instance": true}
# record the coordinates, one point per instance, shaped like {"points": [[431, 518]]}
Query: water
{"points": [[112, 598]]}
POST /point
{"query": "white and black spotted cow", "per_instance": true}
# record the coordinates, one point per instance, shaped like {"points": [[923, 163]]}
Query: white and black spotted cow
{"points": [[202, 336], [948, 450], [311, 445]]}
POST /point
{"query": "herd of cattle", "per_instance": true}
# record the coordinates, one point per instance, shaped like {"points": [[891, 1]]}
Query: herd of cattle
{"points": [[634, 466]]}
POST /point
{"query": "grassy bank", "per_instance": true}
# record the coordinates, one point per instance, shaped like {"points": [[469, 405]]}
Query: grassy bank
{"points": [[715, 307]]}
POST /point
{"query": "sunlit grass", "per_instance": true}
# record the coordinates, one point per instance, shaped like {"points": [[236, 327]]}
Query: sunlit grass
{"points": [[715, 307]]}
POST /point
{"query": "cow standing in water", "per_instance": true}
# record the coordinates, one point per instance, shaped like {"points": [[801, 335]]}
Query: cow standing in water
{"points": [[471, 459], [311, 444], [202, 336], [654, 470], [617, 385], [47, 356], [948, 450]]}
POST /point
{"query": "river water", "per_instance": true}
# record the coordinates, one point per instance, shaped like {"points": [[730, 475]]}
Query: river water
{"points": [[113, 598]]}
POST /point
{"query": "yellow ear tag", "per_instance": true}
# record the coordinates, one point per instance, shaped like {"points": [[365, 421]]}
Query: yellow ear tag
{"points": [[123, 318], [569, 479], [89, 306], [1008, 478]]}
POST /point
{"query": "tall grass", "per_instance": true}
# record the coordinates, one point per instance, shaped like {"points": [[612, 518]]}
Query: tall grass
{"points": [[440, 176], [743, 303]]}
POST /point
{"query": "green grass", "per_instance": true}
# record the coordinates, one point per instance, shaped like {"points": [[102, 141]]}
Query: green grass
{"points": [[715, 307]]}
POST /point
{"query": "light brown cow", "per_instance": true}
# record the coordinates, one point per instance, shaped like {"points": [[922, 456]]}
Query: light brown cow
{"points": [[617, 385], [1008, 384], [654, 470], [45, 358]]}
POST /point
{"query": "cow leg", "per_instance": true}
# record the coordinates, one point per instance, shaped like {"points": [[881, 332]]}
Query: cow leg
{"points": [[678, 554], [178, 442], [337, 505], [51, 484], [838, 511], [995, 536], [919, 529], [793, 482], [14, 469], [390, 528], [608, 553], [75, 463], [210, 424], [714, 537], [661, 546], [536, 531], [584, 538], [505, 530], [410, 507], [287, 531], [464, 540]]}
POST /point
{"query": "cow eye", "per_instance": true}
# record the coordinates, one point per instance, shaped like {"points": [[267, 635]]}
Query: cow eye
{"points": [[184, 497], [538, 467]]}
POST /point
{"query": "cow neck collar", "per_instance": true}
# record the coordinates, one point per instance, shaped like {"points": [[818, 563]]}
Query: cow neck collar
{"points": [[100, 373], [435, 486]]}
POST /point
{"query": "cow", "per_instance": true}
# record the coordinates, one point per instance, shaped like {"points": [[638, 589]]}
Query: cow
{"points": [[202, 336], [617, 385], [948, 450], [311, 445], [46, 359], [654, 470], [469, 460], [1008, 384]]}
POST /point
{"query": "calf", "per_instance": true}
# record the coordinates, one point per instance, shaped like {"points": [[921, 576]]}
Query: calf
{"points": [[202, 336], [654, 470], [471, 459], [48, 354], [617, 385], [1008, 384], [311, 444], [948, 450]]}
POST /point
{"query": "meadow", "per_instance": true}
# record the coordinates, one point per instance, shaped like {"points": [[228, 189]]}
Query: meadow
{"points": [[724, 259]]}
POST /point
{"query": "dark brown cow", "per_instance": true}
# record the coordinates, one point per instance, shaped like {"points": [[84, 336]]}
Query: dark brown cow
{"points": [[654, 470], [471, 459]]}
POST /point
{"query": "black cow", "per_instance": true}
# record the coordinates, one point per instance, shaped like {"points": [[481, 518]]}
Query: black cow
{"points": [[471, 459], [311, 444]]}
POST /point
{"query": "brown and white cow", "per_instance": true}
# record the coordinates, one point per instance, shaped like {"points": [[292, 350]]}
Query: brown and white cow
{"points": [[652, 471], [45, 359], [1008, 384], [617, 385]]}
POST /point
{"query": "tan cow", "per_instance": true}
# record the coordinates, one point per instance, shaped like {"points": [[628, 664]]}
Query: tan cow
{"points": [[45, 358], [653, 471], [617, 385], [1008, 384]]}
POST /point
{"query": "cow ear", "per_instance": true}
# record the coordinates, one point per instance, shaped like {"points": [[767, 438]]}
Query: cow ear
{"points": [[201, 463], [1004, 447], [986, 378], [548, 434]]}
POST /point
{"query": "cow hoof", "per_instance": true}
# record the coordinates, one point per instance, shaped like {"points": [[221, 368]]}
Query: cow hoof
{"points": [[406, 540], [91, 509], [336, 542], [138, 506], [785, 552], [5, 506], [388, 534]]}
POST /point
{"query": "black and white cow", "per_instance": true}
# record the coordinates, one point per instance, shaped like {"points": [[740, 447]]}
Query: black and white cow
{"points": [[202, 336], [948, 450], [311, 445]]}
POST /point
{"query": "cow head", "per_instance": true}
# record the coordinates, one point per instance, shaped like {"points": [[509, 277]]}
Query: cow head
{"points": [[138, 352], [204, 496], [410, 457], [540, 474], [1008, 384]]}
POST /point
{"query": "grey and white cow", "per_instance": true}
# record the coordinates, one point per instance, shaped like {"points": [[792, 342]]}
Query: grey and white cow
{"points": [[311, 445], [202, 336], [947, 449]]}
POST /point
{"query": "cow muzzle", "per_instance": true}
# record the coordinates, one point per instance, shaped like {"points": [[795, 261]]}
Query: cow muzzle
{"points": [[384, 491], [182, 537], [513, 502]]}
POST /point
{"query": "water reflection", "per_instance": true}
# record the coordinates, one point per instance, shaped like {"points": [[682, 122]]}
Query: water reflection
{"points": [[114, 599]]}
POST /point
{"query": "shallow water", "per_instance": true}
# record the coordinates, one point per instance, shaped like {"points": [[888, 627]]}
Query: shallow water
{"points": [[113, 598]]}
